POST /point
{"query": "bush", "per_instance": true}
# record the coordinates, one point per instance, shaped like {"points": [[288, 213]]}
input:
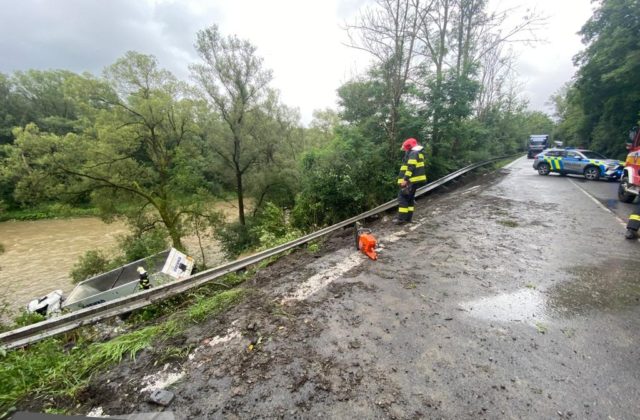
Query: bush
{"points": [[93, 262], [236, 238], [267, 229], [140, 246], [27, 318], [353, 176], [270, 220]]}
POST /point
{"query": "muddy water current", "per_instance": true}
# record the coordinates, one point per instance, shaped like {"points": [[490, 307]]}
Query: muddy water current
{"points": [[40, 254]]}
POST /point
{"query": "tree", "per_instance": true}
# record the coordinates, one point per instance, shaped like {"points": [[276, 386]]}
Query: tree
{"points": [[606, 86], [387, 31], [435, 61], [236, 84], [39, 97], [136, 156], [7, 111]]}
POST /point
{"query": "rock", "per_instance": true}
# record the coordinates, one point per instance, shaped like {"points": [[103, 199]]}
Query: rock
{"points": [[161, 397], [238, 391]]}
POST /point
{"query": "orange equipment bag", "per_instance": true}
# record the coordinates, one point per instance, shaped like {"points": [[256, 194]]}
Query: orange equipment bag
{"points": [[366, 243]]}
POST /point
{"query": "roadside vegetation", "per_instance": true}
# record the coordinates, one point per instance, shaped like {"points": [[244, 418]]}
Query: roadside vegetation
{"points": [[52, 373], [47, 211], [139, 145], [601, 104]]}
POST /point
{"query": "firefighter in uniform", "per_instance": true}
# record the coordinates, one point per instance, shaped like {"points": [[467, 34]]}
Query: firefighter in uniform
{"points": [[411, 177], [143, 283], [633, 225]]}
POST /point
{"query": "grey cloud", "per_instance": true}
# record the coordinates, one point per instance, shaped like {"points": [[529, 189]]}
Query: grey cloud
{"points": [[87, 35]]}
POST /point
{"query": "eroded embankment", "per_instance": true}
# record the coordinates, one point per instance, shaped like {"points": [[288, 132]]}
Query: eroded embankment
{"points": [[491, 305]]}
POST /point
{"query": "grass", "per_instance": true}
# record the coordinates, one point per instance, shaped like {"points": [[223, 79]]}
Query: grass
{"points": [[49, 370], [102, 355], [214, 305], [58, 368], [48, 375]]}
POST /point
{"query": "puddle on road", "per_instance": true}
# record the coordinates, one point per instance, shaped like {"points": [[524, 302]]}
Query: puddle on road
{"points": [[525, 305], [612, 285]]}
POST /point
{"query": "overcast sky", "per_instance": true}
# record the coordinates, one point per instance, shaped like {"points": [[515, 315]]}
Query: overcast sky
{"points": [[300, 40]]}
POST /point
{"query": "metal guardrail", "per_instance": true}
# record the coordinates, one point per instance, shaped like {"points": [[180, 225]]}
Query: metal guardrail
{"points": [[54, 326]]}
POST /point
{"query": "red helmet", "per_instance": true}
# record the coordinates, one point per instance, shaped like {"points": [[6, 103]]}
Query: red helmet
{"points": [[409, 144]]}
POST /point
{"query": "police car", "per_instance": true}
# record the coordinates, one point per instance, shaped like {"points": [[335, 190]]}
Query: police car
{"points": [[590, 164]]}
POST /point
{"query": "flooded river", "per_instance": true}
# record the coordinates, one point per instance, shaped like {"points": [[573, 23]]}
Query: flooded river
{"points": [[40, 254]]}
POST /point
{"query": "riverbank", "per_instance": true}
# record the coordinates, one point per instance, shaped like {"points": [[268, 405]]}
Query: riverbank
{"points": [[51, 211]]}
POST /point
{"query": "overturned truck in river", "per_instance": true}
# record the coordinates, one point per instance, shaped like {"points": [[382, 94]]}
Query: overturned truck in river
{"points": [[167, 266]]}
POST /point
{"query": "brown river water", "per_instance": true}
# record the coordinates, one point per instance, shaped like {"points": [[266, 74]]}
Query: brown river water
{"points": [[39, 254]]}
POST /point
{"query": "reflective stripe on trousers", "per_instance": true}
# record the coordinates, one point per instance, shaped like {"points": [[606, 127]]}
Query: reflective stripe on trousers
{"points": [[406, 203], [634, 222]]}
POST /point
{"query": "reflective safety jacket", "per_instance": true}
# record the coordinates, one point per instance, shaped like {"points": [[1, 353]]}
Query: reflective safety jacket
{"points": [[413, 169]]}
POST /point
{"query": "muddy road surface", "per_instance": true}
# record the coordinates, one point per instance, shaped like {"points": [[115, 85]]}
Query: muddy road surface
{"points": [[510, 297], [603, 191]]}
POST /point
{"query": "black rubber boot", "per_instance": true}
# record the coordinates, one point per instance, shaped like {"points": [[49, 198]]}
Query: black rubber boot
{"points": [[631, 234]]}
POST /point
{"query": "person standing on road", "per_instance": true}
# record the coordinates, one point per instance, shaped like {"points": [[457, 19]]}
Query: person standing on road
{"points": [[411, 177], [633, 225]]}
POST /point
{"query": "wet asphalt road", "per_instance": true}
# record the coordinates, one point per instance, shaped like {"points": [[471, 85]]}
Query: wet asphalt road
{"points": [[513, 297], [604, 191]]}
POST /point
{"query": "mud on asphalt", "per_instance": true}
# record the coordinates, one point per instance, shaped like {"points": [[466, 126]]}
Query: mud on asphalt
{"points": [[475, 310]]}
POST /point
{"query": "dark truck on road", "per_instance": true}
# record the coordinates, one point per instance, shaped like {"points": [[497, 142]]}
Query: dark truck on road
{"points": [[537, 143]]}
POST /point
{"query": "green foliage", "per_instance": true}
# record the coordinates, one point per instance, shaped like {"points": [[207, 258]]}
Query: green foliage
{"points": [[99, 356], [236, 238], [142, 245], [26, 318], [212, 306], [93, 262], [34, 371], [137, 154], [272, 228], [352, 175], [602, 105], [47, 211], [48, 369], [269, 228], [250, 125], [36, 96]]}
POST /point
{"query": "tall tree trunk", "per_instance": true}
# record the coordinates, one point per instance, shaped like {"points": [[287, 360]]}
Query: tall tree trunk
{"points": [[171, 222], [240, 197]]}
